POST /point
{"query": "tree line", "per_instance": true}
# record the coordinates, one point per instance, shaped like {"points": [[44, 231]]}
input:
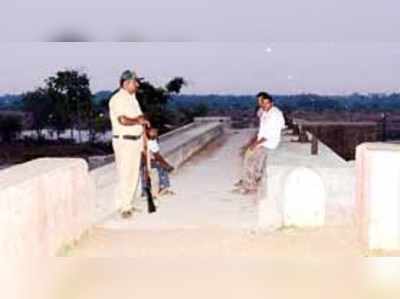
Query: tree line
{"points": [[66, 102], [302, 102]]}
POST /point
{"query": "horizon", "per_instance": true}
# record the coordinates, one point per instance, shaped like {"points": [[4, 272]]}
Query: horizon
{"points": [[243, 95], [246, 95]]}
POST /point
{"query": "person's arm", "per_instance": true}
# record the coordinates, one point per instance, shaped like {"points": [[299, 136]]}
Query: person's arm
{"points": [[163, 162], [119, 108], [257, 143], [136, 121], [249, 143]]}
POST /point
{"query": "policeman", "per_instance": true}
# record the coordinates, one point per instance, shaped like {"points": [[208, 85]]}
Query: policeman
{"points": [[127, 122]]}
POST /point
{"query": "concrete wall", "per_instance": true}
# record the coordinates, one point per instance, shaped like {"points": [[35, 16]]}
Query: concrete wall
{"points": [[187, 148], [177, 146], [378, 195], [181, 144], [178, 131], [336, 176], [226, 121], [45, 204], [199, 122]]}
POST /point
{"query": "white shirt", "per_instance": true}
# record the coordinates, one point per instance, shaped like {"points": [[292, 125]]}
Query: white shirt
{"points": [[153, 145], [260, 112], [123, 103], [271, 125]]}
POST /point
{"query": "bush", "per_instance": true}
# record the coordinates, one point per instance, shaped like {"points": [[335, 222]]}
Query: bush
{"points": [[10, 127], [100, 126]]}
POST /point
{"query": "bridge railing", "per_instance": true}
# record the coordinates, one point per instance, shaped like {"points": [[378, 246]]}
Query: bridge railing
{"points": [[48, 204], [299, 189], [45, 204], [341, 136]]}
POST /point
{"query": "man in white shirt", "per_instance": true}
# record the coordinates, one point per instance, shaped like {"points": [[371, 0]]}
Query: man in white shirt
{"points": [[127, 122], [267, 139]]}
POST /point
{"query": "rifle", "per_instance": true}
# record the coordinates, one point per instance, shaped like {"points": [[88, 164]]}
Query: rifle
{"points": [[147, 189]]}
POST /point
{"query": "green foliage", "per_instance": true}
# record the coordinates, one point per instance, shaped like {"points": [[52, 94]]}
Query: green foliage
{"points": [[189, 113], [39, 103], [101, 125], [70, 92], [303, 102], [64, 102], [154, 100], [59, 119], [10, 127], [200, 110], [175, 85]]}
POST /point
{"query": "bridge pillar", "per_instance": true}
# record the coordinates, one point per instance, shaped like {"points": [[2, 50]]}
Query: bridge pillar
{"points": [[378, 195]]}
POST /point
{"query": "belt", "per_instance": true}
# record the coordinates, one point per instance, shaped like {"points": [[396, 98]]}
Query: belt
{"points": [[128, 137]]}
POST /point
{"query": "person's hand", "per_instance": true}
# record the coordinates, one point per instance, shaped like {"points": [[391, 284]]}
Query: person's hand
{"points": [[147, 123], [144, 122], [253, 146]]}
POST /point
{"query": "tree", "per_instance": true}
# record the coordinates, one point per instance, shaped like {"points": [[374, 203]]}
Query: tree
{"points": [[70, 90], [101, 125], [10, 127], [200, 110], [154, 100], [99, 122], [59, 117], [39, 103], [189, 113], [175, 85]]}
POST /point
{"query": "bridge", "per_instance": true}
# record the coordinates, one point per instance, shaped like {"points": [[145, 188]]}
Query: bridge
{"points": [[310, 208]]}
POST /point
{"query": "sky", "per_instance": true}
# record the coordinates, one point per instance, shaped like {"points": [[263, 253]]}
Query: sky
{"points": [[219, 46], [222, 68], [203, 20]]}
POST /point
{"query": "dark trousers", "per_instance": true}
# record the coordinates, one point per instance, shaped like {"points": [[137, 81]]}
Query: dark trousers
{"points": [[163, 176]]}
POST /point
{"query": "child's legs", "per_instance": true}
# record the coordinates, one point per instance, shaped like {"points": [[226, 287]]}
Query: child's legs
{"points": [[162, 175]]}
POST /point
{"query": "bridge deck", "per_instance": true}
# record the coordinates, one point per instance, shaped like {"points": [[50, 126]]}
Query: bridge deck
{"points": [[196, 247], [205, 216], [203, 193]]}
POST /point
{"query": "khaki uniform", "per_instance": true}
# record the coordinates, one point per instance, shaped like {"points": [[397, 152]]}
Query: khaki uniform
{"points": [[127, 152], [254, 165]]}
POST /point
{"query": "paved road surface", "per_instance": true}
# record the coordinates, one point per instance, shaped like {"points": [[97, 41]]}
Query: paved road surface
{"points": [[199, 245]]}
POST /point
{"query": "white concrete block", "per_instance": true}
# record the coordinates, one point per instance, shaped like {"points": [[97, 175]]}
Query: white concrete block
{"points": [[378, 195], [304, 200], [44, 204]]}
